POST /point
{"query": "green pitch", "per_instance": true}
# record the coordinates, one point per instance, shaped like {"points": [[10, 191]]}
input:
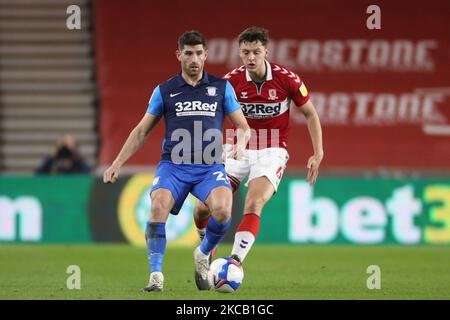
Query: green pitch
{"points": [[271, 272]]}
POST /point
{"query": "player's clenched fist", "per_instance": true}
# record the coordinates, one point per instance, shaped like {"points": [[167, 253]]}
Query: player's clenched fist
{"points": [[111, 174]]}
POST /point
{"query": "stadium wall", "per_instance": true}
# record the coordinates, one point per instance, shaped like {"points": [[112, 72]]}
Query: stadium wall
{"points": [[337, 210], [387, 90]]}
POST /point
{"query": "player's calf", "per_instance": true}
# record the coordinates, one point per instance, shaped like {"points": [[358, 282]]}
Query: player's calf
{"points": [[220, 201], [260, 190], [245, 236], [155, 237], [201, 218]]}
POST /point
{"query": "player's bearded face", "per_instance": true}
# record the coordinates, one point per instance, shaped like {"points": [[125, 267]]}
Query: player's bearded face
{"points": [[192, 59], [253, 55]]}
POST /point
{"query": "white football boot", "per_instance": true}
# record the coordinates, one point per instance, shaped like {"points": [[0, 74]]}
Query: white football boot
{"points": [[201, 270], [155, 283]]}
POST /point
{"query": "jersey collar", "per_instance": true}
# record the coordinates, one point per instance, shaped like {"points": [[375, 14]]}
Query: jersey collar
{"points": [[181, 82], [268, 73]]}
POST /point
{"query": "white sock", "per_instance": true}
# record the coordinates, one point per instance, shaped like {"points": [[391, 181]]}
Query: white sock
{"points": [[199, 254], [201, 233], [243, 242]]}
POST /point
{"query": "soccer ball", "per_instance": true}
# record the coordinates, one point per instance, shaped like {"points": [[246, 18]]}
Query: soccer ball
{"points": [[225, 275]]}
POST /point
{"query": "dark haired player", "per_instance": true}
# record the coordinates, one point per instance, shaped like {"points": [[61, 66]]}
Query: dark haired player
{"points": [[265, 91], [194, 104]]}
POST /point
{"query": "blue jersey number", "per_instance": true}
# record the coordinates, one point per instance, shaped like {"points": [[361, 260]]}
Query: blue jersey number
{"points": [[221, 176]]}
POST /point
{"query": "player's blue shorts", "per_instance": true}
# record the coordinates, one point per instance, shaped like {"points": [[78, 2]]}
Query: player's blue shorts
{"points": [[180, 179]]}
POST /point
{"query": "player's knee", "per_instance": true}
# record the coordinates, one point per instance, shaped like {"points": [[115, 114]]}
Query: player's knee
{"points": [[222, 211], [160, 206], [222, 217]]}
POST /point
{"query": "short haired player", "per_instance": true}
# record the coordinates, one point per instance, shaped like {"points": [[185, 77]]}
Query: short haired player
{"points": [[265, 91], [193, 104]]}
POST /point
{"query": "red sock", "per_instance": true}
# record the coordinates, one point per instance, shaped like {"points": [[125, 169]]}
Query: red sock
{"points": [[201, 224], [250, 222]]}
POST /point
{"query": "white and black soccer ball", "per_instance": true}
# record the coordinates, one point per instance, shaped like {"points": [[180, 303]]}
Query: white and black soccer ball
{"points": [[225, 275]]}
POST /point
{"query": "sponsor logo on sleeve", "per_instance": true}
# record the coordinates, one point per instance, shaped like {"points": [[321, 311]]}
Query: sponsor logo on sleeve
{"points": [[303, 90]]}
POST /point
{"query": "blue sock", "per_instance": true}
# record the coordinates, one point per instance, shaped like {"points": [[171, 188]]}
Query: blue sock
{"points": [[215, 232], [155, 237]]}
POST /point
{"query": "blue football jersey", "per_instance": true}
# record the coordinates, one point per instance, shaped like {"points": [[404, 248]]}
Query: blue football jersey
{"points": [[193, 117]]}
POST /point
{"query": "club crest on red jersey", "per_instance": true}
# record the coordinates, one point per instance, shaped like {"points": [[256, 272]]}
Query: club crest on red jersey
{"points": [[272, 94]]}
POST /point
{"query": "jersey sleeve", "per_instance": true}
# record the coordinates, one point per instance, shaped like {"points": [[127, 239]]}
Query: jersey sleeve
{"points": [[156, 104], [231, 103], [298, 92]]}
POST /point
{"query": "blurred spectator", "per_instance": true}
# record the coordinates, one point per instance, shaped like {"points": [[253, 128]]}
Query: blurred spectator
{"points": [[65, 159]]}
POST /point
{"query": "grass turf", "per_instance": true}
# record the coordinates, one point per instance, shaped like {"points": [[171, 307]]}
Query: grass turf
{"points": [[271, 272]]}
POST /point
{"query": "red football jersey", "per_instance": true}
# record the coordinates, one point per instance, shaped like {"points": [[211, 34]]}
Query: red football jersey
{"points": [[266, 107]]}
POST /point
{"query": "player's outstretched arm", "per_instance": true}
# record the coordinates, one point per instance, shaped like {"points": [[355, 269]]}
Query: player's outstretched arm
{"points": [[315, 132], [135, 140], [237, 118]]}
